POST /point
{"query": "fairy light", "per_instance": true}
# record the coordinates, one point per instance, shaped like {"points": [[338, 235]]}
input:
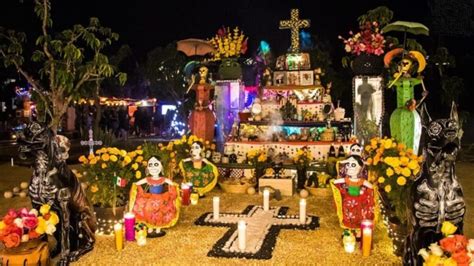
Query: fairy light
{"points": [[295, 24]]}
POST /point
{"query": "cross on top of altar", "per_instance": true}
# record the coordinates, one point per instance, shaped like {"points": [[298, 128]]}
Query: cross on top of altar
{"points": [[262, 230], [91, 142], [295, 24]]}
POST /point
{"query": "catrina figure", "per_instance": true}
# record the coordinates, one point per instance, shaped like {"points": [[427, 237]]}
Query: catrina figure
{"points": [[405, 124]]}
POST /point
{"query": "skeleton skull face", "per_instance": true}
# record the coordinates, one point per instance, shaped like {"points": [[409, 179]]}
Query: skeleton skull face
{"points": [[203, 71], [405, 65], [216, 157], [196, 149], [154, 167], [356, 149], [353, 167]]}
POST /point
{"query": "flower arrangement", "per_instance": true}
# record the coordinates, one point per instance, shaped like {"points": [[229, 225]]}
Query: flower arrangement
{"points": [[303, 157], [453, 249], [229, 43], [256, 156], [393, 168], [23, 225], [108, 173], [368, 40]]}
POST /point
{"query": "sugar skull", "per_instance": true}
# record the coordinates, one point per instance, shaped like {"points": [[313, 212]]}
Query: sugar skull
{"points": [[154, 167], [196, 149]]}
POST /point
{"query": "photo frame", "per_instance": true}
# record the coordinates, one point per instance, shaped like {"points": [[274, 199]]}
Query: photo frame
{"points": [[279, 78], [368, 105], [306, 78], [292, 78]]}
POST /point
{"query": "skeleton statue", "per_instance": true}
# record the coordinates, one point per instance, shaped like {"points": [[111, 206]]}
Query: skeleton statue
{"points": [[437, 195], [54, 183]]}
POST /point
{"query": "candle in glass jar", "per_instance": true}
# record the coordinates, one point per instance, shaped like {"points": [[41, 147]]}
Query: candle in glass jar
{"points": [[129, 221], [302, 211], [186, 194], [266, 200], [141, 238], [194, 198], [242, 234], [118, 231], [367, 230], [215, 204]]}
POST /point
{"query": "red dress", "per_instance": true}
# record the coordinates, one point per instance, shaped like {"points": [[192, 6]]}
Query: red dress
{"points": [[355, 208], [202, 119]]}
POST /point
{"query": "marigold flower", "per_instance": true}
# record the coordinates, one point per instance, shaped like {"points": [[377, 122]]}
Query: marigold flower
{"points": [[105, 157], [401, 181], [94, 188], [381, 180], [448, 228], [406, 172], [388, 188], [135, 166], [113, 158], [138, 174], [104, 165], [389, 172]]}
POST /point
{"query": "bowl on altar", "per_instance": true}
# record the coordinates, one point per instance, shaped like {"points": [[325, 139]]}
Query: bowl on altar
{"points": [[236, 188], [318, 191]]}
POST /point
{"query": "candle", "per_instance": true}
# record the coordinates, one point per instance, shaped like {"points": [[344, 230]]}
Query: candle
{"points": [[266, 200], [186, 190], [215, 204], [367, 228], [118, 236], [242, 227], [129, 219], [349, 241], [194, 198], [11, 160], [303, 211], [141, 238]]}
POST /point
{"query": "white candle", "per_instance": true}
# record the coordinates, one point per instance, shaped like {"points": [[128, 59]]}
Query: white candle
{"points": [[242, 227], [266, 200], [215, 204], [302, 211], [12, 162]]}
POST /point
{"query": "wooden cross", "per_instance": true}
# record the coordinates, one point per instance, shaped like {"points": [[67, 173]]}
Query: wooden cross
{"points": [[263, 228], [91, 142], [295, 24]]}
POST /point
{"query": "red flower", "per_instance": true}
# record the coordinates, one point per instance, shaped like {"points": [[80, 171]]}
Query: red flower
{"points": [[454, 244], [30, 222], [8, 219], [32, 234], [12, 240], [23, 212], [461, 258]]}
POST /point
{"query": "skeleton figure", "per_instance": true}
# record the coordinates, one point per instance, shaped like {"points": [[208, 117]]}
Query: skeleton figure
{"points": [[54, 183], [437, 195]]}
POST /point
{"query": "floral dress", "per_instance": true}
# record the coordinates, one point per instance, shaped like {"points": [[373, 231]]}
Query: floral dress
{"points": [[204, 179]]}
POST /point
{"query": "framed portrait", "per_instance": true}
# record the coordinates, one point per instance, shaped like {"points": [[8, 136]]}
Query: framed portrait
{"points": [[306, 77], [368, 107], [292, 78], [279, 78]]}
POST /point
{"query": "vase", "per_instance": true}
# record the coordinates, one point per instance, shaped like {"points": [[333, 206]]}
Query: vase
{"points": [[33, 252], [301, 173], [405, 124], [367, 64], [397, 231], [230, 69], [107, 218]]}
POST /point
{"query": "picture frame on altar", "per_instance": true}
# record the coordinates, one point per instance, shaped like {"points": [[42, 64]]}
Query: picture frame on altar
{"points": [[279, 78], [368, 107], [306, 78], [293, 78]]}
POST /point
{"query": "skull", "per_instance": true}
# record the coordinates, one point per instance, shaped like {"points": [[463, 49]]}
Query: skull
{"points": [[353, 166], [154, 167], [356, 149], [196, 149], [405, 65], [203, 71], [216, 157]]}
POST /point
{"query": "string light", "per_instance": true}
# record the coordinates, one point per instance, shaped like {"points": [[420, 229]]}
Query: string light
{"points": [[295, 24]]}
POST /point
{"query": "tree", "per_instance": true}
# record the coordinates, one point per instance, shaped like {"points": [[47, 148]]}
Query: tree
{"points": [[71, 62]]}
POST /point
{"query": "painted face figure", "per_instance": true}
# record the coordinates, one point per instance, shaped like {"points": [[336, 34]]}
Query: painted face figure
{"points": [[356, 149], [353, 167], [196, 150], [406, 65], [154, 167]]}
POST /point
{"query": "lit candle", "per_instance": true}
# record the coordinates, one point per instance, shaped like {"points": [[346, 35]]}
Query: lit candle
{"points": [[11, 160], [129, 220], [215, 204], [349, 242], [141, 238], [303, 211], [242, 227], [367, 228], [186, 190], [194, 198], [266, 200], [118, 236]]}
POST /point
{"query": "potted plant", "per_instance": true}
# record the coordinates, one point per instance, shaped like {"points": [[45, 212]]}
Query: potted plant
{"points": [[109, 174], [393, 168], [367, 45], [22, 233], [229, 45]]}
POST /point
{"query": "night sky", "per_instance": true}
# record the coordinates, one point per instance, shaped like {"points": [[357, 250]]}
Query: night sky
{"points": [[144, 25]]}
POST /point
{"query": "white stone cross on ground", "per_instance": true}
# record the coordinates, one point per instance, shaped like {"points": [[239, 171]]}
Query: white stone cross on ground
{"points": [[263, 228], [295, 24], [91, 142]]}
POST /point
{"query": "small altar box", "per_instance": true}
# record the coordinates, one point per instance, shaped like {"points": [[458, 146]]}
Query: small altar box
{"points": [[286, 185]]}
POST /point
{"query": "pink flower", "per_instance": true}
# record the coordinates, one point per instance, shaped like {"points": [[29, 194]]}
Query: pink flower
{"points": [[30, 222]]}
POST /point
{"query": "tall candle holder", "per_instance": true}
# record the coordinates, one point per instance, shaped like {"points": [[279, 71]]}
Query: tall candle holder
{"points": [[367, 227], [129, 221]]}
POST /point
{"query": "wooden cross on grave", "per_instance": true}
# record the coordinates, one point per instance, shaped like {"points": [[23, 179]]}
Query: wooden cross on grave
{"points": [[91, 142], [295, 24], [263, 228]]}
